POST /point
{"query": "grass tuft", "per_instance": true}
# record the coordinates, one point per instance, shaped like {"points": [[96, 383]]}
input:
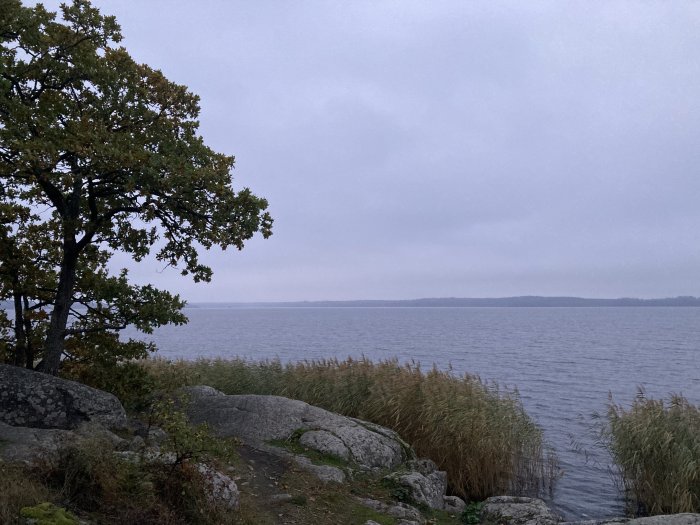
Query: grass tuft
{"points": [[19, 489], [656, 446]]}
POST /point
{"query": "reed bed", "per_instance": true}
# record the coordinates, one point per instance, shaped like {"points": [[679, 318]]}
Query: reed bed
{"points": [[478, 433], [656, 447]]}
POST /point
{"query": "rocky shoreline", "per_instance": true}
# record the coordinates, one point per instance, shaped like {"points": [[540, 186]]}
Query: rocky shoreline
{"points": [[40, 414]]}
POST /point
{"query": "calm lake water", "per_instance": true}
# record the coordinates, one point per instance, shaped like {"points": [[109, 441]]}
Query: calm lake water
{"points": [[564, 361]]}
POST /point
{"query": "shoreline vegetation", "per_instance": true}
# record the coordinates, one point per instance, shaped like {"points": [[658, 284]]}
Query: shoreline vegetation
{"points": [[479, 433], [655, 445], [476, 431]]}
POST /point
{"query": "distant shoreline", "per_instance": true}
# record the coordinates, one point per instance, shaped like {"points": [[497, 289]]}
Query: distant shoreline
{"points": [[513, 302]]}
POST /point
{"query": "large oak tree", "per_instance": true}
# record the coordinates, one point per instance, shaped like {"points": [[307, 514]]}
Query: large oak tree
{"points": [[99, 153]]}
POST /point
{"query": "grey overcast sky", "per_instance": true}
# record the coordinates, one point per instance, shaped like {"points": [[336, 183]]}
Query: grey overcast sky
{"points": [[443, 148]]}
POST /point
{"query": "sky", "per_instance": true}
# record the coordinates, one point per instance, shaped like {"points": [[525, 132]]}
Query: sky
{"points": [[443, 148]]}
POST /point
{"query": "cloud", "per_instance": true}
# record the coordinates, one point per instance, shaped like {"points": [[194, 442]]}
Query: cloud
{"points": [[416, 149]]}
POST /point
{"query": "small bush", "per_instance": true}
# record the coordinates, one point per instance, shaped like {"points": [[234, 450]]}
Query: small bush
{"points": [[479, 434], [656, 446], [472, 513], [90, 479], [187, 443], [126, 379]]}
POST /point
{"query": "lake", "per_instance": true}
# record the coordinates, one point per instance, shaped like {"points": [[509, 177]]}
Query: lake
{"points": [[564, 362]]}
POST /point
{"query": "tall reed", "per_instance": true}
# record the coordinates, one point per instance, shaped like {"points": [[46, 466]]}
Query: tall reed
{"points": [[656, 446], [475, 431]]}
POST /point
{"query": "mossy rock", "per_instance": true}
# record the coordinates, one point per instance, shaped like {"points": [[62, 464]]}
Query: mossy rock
{"points": [[48, 514]]}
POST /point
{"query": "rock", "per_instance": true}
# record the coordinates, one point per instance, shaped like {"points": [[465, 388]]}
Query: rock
{"points": [[325, 442], [29, 444], [221, 488], [94, 430], [147, 455], [401, 511], [514, 510], [674, 519], [151, 434], [137, 444], [36, 400], [280, 498], [610, 521], [425, 483], [669, 519], [265, 418], [453, 504], [325, 473]]}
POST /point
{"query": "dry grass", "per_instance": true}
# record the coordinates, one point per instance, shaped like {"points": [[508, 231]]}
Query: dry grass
{"points": [[656, 446], [19, 488], [479, 434]]}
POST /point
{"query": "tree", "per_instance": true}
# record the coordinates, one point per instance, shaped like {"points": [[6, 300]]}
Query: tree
{"points": [[110, 148]]}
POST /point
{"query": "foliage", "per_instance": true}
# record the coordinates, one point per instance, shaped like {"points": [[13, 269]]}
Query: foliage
{"points": [[479, 434], [132, 385], [472, 513], [187, 443], [98, 154], [656, 446]]}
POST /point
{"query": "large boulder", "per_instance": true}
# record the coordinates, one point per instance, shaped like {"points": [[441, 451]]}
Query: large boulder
{"points": [[258, 419], [28, 444], [36, 400]]}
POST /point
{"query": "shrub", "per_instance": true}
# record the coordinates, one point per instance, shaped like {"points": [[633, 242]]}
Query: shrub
{"points": [[656, 447], [479, 434], [89, 478], [126, 379]]}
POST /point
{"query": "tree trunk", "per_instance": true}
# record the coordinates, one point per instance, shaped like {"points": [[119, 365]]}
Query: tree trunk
{"points": [[28, 335], [53, 346], [20, 336]]}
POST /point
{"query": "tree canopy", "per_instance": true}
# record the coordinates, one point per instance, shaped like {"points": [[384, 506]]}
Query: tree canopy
{"points": [[98, 154]]}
